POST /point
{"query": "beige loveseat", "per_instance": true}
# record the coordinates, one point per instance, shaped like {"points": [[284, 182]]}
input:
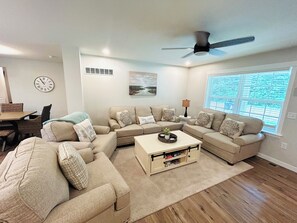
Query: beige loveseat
{"points": [[58, 132], [125, 135], [33, 188], [231, 150]]}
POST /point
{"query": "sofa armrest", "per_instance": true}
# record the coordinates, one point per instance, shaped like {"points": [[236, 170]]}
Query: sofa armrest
{"points": [[77, 145], [87, 155], [100, 129], [84, 207], [191, 121], [177, 119], [113, 124], [248, 139]]}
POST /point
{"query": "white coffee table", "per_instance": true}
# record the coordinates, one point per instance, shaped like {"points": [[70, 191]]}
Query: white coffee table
{"points": [[155, 156]]}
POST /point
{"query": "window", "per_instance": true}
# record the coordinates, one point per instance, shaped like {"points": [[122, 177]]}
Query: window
{"points": [[260, 95]]}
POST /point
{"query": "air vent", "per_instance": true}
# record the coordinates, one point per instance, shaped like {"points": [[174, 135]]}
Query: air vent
{"points": [[98, 71]]}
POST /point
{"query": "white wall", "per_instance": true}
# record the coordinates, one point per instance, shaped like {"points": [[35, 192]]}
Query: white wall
{"points": [[102, 92], [72, 77], [3, 89], [270, 149], [21, 75]]}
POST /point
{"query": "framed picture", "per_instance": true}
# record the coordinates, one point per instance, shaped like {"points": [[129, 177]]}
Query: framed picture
{"points": [[142, 84]]}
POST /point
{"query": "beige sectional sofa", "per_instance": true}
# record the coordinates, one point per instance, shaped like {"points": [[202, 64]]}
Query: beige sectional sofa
{"points": [[125, 135], [33, 188], [58, 132], [231, 150]]}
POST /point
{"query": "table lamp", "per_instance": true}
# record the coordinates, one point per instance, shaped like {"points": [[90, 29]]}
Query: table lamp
{"points": [[186, 104]]}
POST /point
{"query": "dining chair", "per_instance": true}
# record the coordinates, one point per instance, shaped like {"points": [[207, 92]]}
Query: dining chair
{"points": [[7, 129], [12, 107], [33, 125], [4, 133]]}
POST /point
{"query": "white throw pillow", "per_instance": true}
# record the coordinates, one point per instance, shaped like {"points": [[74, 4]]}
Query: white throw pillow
{"points": [[73, 166], [124, 118], [168, 114], [85, 131], [146, 120]]}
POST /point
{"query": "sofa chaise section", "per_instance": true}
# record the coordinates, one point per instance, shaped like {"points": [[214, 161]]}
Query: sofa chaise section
{"points": [[231, 150]]}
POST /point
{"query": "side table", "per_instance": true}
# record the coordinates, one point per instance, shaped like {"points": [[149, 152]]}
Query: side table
{"points": [[184, 119]]}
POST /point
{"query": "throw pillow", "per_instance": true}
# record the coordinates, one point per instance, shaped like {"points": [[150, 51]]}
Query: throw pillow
{"points": [[232, 128], [146, 120], [58, 131], [205, 119], [124, 118], [85, 131], [168, 114], [73, 166]]}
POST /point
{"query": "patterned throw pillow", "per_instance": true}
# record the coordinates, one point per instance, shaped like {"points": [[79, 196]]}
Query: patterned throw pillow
{"points": [[124, 118], [232, 128], [205, 119], [146, 120], [168, 114], [73, 166], [85, 131]]}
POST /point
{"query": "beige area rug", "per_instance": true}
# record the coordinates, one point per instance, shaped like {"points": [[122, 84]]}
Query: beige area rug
{"points": [[150, 194]]}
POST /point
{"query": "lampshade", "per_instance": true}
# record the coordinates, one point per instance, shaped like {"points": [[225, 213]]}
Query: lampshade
{"points": [[186, 103]]}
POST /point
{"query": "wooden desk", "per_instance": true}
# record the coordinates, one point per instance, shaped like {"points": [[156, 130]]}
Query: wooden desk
{"points": [[12, 118]]}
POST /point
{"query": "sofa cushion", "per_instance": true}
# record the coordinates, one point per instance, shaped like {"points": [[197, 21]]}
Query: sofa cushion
{"points": [[124, 118], [85, 131], [106, 143], [157, 111], [146, 120], [113, 112], [142, 111], [130, 130], [205, 119], [151, 128], [73, 166], [218, 118], [232, 128], [32, 184], [221, 141], [195, 130], [168, 114], [252, 125], [101, 172], [171, 125], [58, 132]]}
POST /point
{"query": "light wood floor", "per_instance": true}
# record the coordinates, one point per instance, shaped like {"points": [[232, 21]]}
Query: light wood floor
{"points": [[265, 193]]}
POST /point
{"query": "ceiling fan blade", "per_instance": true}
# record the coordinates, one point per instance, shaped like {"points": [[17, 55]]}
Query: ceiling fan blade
{"points": [[216, 52], [232, 42], [189, 54], [178, 48]]}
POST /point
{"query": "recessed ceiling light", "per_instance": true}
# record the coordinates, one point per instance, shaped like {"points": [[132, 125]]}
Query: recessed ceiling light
{"points": [[9, 51], [188, 63], [106, 51]]}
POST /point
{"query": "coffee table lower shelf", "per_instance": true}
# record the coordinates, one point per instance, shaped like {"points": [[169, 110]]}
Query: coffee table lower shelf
{"points": [[156, 163]]}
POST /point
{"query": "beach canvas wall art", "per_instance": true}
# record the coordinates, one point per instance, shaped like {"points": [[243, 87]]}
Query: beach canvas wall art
{"points": [[142, 84]]}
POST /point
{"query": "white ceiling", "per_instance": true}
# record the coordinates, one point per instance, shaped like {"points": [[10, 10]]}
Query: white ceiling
{"points": [[138, 29]]}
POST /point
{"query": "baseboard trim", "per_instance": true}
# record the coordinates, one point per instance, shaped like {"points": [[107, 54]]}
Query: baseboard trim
{"points": [[278, 162]]}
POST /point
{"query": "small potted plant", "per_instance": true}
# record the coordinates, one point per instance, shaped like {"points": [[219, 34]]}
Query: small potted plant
{"points": [[166, 132]]}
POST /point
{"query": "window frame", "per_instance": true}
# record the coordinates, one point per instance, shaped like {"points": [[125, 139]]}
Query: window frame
{"points": [[292, 67]]}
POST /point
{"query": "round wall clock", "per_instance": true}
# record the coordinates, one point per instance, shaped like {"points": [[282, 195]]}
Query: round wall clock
{"points": [[44, 84]]}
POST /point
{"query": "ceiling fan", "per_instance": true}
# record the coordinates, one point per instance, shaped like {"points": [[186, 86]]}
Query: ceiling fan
{"points": [[203, 47]]}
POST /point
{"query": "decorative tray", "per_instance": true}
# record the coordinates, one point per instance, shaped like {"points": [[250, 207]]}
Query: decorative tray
{"points": [[172, 138]]}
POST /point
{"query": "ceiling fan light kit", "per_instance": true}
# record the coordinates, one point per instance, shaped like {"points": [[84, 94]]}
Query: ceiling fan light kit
{"points": [[203, 47]]}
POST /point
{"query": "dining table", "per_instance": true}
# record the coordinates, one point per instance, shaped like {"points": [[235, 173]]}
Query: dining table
{"points": [[13, 118]]}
